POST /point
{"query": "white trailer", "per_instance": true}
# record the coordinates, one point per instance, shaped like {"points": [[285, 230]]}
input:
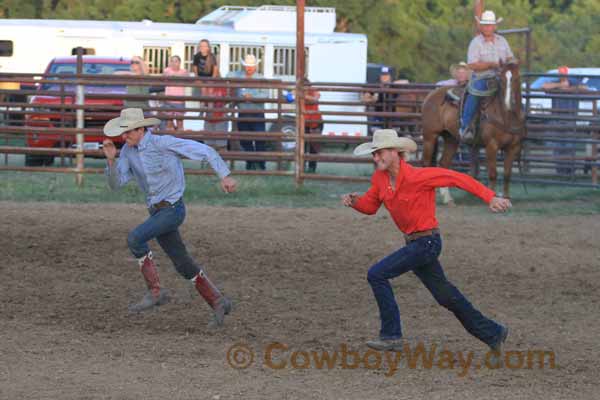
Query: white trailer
{"points": [[269, 32]]}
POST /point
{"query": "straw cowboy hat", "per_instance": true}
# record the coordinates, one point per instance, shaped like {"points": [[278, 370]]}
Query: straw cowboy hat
{"points": [[386, 139], [249, 61], [488, 18], [131, 118], [455, 67]]}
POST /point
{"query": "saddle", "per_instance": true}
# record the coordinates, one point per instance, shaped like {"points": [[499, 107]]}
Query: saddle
{"points": [[455, 95]]}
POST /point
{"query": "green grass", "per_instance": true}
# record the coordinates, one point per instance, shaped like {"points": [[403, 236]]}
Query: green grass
{"points": [[275, 192]]}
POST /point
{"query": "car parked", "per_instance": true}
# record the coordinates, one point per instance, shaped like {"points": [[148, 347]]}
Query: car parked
{"points": [[50, 117]]}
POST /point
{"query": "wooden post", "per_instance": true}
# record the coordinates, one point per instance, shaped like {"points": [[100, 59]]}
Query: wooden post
{"points": [[594, 147], [79, 100], [299, 92]]}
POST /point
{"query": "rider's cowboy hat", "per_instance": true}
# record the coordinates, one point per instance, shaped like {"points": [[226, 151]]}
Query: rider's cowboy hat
{"points": [[488, 18], [456, 67], [131, 118], [249, 61], [386, 139]]}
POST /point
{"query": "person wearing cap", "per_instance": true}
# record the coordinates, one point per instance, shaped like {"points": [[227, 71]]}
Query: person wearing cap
{"points": [[408, 193], [380, 102], [254, 110], [460, 75], [563, 107], [154, 162], [487, 51]]}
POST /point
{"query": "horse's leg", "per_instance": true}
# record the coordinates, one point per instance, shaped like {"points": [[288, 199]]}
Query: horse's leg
{"points": [[429, 145], [474, 152], [509, 157], [450, 148], [491, 152]]}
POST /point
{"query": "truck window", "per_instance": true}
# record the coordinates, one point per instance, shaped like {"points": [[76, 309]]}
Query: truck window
{"points": [[6, 48]]}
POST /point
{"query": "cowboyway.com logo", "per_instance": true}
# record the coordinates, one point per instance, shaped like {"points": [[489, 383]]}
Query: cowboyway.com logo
{"points": [[279, 356]]}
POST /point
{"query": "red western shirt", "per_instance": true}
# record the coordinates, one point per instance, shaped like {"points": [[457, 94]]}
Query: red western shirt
{"points": [[412, 203]]}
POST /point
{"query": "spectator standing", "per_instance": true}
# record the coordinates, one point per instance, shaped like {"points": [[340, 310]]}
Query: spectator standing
{"points": [[176, 117], [215, 120], [313, 122], [563, 107], [138, 68], [379, 102], [251, 110], [205, 63]]}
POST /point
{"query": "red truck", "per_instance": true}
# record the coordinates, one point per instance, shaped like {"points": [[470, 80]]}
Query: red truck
{"points": [[68, 65]]}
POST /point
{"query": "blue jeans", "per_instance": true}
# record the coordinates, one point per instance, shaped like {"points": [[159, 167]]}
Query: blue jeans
{"points": [[421, 257], [163, 225], [472, 102], [253, 145]]}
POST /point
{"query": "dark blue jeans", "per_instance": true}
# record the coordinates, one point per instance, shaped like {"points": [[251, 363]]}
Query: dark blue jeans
{"points": [[163, 225], [253, 145], [472, 102], [421, 257]]}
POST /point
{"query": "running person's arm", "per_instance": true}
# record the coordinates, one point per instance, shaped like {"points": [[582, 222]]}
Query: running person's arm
{"points": [[193, 150], [118, 171], [433, 177], [368, 203]]}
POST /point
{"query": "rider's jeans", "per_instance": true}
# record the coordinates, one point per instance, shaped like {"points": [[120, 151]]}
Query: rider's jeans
{"points": [[472, 102]]}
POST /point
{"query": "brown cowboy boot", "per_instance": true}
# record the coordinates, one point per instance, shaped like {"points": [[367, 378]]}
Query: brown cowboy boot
{"points": [[155, 295], [220, 304]]}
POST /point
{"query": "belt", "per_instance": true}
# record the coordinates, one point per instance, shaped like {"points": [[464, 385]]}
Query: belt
{"points": [[417, 235], [162, 204]]}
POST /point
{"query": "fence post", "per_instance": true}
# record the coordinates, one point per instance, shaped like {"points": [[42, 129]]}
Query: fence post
{"points": [[299, 92], [80, 101], [594, 155]]}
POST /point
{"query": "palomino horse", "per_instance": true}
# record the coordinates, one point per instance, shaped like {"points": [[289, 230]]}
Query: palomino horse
{"points": [[501, 127]]}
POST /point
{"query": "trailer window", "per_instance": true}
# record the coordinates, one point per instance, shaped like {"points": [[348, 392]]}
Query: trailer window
{"points": [[192, 49], [284, 62], [6, 48], [157, 58], [237, 53]]}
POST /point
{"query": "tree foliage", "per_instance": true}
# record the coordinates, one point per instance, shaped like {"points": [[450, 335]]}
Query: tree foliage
{"points": [[420, 38]]}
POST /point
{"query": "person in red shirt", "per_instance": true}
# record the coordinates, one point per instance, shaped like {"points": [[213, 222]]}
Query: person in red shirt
{"points": [[408, 193]]}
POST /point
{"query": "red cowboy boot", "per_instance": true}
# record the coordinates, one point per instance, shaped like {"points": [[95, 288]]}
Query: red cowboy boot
{"points": [[155, 296], [219, 303]]}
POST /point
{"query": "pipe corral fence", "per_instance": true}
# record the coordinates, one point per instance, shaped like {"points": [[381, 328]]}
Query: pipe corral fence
{"points": [[56, 122]]}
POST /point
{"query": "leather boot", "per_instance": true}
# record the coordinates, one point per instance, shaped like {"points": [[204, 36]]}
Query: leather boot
{"points": [[155, 295], [220, 304]]}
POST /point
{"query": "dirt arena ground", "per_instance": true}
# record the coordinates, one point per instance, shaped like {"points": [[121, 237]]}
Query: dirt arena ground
{"points": [[298, 277]]}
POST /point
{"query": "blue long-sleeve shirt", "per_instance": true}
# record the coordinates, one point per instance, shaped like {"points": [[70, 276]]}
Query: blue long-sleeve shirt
{"points": [[257, 93], [155, 163]]}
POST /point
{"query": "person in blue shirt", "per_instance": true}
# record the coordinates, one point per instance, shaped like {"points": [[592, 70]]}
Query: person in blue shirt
{"points": [[251, 114], [154, 162]]}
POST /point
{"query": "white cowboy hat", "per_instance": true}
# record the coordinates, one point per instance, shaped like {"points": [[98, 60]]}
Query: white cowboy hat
{"points": [[488, 18], [249, 61], [455, 67], [386, 139], [131, 118]]}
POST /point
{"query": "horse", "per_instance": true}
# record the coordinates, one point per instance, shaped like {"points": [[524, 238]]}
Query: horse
{"points": [[501, 127]]}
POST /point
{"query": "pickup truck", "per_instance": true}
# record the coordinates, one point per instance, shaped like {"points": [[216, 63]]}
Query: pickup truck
{"points": [[51, 116]]}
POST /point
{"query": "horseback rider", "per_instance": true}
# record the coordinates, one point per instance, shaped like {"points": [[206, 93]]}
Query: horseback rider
{"points": [[487, 51]]}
